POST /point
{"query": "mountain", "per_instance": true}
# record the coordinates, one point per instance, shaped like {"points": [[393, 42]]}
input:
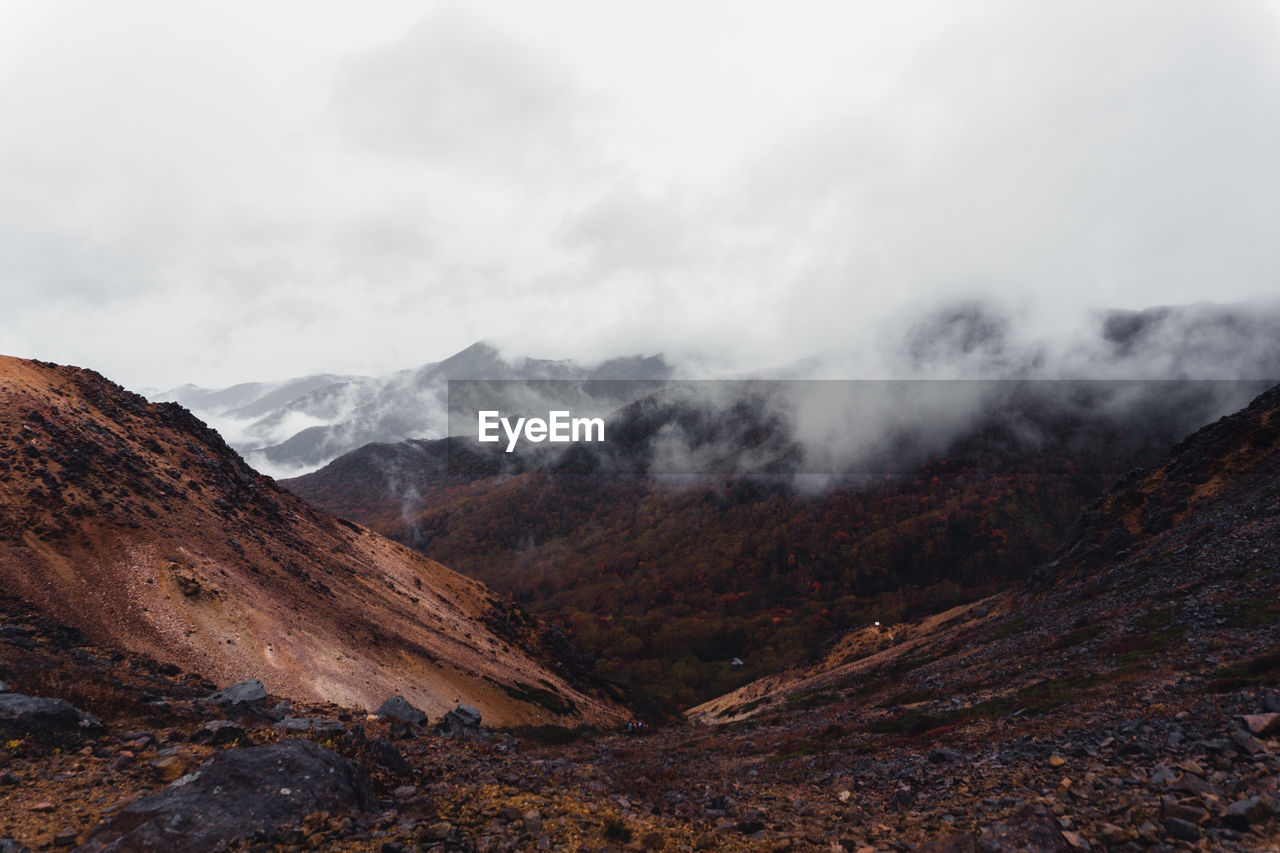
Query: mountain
{"points": [[298, 425], [137, 525], [663, 580], [1123, 697], [1168, 586]]}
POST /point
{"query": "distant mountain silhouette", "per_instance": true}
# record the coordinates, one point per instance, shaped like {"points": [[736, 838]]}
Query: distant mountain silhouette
{"points": [[300, 424]]}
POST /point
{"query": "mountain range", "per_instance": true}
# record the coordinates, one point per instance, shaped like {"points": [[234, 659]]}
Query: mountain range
{"points": [[297, 425], [1101, 674]]}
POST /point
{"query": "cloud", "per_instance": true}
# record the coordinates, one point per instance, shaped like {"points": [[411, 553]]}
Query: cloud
{"points": [[314, 188], [456, 90]]}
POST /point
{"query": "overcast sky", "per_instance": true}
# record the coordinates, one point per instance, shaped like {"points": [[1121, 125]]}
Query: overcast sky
{"points": [[218, 192]]}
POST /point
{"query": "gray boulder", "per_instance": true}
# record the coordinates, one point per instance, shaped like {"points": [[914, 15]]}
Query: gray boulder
{"points": [[247, 692], [320, 725], [460, 719], [398, 708], [218, 732], [236, 795], [49, 722]]}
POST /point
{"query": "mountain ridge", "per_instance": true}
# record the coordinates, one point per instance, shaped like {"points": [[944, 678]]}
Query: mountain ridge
{"points": [[136, 523]]}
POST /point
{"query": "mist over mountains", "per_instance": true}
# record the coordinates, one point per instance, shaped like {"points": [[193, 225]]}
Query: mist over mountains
{"points": [[294, 426], [291, 427]]}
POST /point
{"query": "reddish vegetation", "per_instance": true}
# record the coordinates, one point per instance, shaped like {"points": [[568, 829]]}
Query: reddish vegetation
{"points": [[136, 524], [665, 586]]}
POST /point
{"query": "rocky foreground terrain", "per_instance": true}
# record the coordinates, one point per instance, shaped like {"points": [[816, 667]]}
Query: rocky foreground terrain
{"points": [[161, 760]]}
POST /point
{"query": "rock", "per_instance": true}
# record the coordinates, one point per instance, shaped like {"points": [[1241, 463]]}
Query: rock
{"points": [[1114, 836], [1025, 831], [169, 768], [8, 777], [48, 722], [319, 725], [1262, 725], [8, 845], [246, 692], [4, 688], [218, 732], [951, 842], [461, 718], [1077, 841], [1183, 830], [138, 741], [1248, 744], [65, 838], [1056, 761], [439, 831], [282, 708], [942, 755], [1247, 812], [398, 708], [902, 799], [1183, 811], [236, 794], [1192, 767], [384, 754], [1192, 784]]}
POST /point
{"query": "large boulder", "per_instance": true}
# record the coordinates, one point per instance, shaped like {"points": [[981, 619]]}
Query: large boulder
{"points": [[249, 692], [461, 719], [48, 722], [316, 725], [398, 708], [238, 794]]}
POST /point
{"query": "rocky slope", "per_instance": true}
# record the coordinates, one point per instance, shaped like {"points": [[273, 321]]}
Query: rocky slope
{"points": [[1128, 694], [137, 525]]}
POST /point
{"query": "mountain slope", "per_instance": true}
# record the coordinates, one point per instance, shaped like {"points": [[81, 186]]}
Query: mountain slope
{"points": [[1170, 581], [136, 524], [665, 585]]}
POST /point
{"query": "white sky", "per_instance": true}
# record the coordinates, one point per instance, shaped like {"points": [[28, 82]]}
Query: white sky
{"points": [[218, 192]]}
